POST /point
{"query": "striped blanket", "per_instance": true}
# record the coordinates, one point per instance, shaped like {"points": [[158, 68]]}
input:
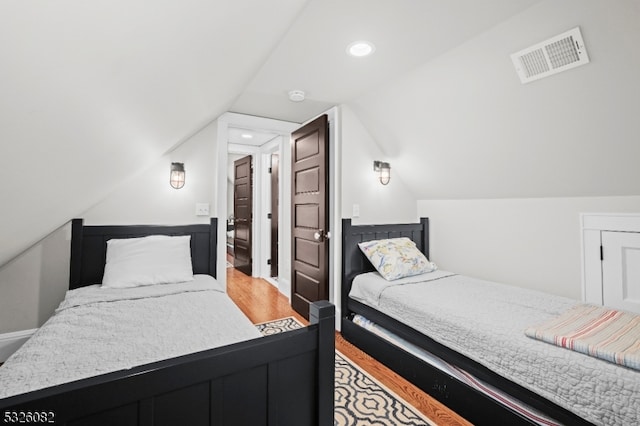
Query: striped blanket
{"points": [[598, 331]]}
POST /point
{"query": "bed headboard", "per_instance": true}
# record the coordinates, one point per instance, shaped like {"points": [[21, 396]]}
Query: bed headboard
{"points": [[353, 260], [89, 247]]}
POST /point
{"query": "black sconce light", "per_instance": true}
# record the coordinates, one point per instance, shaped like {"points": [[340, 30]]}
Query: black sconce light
{"points": [[384, 171], [176, 179]]}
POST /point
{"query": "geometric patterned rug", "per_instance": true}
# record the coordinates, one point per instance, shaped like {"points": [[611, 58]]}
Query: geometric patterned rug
{"points": [[278, 326], [359, 398]]}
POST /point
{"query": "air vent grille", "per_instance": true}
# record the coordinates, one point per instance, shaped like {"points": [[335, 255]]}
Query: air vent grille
{"points": [[534, 63], [552, 56]]}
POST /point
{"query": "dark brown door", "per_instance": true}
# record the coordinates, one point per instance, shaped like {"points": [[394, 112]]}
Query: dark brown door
{"points": [[309, 216], [242, 211], [275, 201]]}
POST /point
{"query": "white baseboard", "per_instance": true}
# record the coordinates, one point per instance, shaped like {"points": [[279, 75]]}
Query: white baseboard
{"points": [[11, 342], [285, 287]]}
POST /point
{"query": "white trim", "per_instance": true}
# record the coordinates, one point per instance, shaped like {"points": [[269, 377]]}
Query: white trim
{"points": [[11, 342], [592, 225], [264, 253], [335, 209], [622, 222]]}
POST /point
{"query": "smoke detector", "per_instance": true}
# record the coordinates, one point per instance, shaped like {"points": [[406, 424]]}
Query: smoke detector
{"points": [[557, 54], [296, 96]]}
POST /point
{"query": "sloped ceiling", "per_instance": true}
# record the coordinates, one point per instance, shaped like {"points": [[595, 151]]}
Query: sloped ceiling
{"points": [[462, 126], [406, 33], [93, 91]]}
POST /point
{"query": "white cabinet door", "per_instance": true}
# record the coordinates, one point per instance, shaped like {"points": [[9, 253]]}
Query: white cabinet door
{"points": [[621, 270]]}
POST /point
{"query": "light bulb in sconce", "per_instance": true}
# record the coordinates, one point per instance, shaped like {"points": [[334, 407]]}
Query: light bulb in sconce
{"points": [[177, 176], [384, 171]]}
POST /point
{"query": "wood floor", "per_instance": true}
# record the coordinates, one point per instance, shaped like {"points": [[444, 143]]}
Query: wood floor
{"points": [[261, 301]]}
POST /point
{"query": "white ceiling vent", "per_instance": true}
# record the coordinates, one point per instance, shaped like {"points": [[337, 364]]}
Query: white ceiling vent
{"points": [[559, 53]]}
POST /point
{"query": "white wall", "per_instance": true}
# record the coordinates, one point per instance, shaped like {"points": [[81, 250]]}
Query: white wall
{"points": [[502, 169], [148, 198], [534, 243], [392, 203], [463, 126], [34, 283]]}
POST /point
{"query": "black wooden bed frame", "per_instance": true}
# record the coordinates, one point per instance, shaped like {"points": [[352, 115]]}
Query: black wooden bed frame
{"points": [[466, 401], [282, 379]]}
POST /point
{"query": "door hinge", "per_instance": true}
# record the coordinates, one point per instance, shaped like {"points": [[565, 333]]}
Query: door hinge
{"points": [[268, 215], [601, 252], [268, 261], [270, 170]]}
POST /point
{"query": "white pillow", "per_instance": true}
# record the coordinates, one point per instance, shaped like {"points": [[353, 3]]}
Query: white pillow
{"points": [[156, 259], [396, 258]]}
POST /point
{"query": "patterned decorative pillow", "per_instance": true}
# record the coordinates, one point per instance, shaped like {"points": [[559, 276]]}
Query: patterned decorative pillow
{"points": [[396, 258]]}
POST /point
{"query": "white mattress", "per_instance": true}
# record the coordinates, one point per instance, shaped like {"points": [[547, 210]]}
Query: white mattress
{"points": [[96, 331], [485, 321]]}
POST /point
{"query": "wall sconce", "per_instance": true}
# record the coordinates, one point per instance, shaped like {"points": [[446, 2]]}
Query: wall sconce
{"points": [[384, 171], [176, 178]]}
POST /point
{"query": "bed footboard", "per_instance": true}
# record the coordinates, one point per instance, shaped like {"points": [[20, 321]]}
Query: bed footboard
{"points": [[283, 379]]}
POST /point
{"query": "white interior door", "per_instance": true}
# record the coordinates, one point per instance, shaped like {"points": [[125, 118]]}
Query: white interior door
{"points": [[621, 270]]}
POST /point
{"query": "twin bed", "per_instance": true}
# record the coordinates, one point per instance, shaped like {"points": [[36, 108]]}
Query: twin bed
{"points": [[129, 353], [182, 353], [463, 341]]}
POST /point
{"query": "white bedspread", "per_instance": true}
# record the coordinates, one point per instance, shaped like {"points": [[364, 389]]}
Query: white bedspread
{"points": [[486, 321], [95, 331]]}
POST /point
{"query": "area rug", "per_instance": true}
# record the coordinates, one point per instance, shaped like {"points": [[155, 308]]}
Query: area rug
{"points": [[359, 398], [278, 326]]}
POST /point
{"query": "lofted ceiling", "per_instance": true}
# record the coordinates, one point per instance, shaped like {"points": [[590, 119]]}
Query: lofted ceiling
{"points": [[406, 33], [93, 91]]}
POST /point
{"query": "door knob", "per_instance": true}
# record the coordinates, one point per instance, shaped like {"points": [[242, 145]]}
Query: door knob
{"points": [[320, 235]]}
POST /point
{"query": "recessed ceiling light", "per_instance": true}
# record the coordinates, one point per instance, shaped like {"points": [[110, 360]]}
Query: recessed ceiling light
{"points": [[246, 136], [361, 48]]}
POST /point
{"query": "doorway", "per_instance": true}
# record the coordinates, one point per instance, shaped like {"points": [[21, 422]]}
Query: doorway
{"points": [[226, 123], [257, 188]]}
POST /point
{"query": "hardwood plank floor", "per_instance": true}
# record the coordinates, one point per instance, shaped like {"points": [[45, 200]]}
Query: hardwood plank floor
{"points": [[261, 301]]}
